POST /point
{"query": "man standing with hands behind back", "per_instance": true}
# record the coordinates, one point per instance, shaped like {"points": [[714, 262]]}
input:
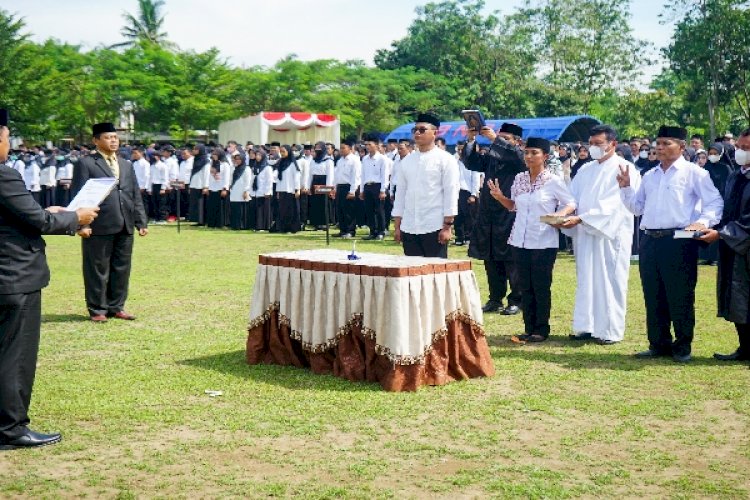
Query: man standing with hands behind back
{"points": [[107, 245], [23, 274]]}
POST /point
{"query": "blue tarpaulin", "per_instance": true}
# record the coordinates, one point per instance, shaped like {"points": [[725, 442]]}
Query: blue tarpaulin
{"points": [[561, 128]]}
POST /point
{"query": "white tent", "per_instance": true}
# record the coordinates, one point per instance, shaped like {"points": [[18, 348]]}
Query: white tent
{"points": [[286, 128]]}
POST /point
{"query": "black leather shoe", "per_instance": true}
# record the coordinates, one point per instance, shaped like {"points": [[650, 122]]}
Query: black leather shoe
{"points": [[31, 439], [650, 353], [492, 306], [580, 336], [511, 310], [735, 356], [682, 358], [606, 342]]}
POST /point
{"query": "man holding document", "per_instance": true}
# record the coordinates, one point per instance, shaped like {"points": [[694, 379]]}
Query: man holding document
{"points": [[107, 245], [23, 274]]}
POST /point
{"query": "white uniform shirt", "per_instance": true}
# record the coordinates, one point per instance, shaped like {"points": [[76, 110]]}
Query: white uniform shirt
{"points": [[265, 183], [548, 194], [323, 168], [19, 165], [243, 185], [143, 173], [219, 181], [186, 168], [427, 191], [289, 181], [469, 180], [349, 171], [159, 175], [47, 176], [173, 169], [394, 173], [65, 171], [304, 167], [31, 177], [676, 198], [200, 179], [375, 169]]}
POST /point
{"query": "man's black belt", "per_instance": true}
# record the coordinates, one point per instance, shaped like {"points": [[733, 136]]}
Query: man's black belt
{"points": [[659, 233]]}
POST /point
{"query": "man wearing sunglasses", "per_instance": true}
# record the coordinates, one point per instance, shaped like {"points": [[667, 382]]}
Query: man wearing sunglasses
{"points": [[427, 196]]}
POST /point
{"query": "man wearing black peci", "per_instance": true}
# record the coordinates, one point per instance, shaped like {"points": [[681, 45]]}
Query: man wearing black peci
{"points": [[23, 274], [492, 227], [107, 245]]}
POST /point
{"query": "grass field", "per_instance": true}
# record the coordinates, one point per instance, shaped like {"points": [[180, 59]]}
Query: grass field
{"points": [[558, 420]]}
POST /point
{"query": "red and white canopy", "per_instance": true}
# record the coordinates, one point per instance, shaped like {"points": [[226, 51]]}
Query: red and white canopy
{"points": [[277, 120], [285, 127]]}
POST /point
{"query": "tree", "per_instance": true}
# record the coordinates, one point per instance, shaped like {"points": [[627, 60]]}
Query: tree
{"points": [[145, 26]]}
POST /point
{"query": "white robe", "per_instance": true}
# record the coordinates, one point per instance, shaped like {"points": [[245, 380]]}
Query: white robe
{"points": [[602, 244]]}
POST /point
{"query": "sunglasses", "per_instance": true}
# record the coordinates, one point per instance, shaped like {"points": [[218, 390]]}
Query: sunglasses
{"points": [[420, 130]]}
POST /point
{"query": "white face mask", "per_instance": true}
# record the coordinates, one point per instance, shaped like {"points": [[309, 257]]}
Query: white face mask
{"points": [[714, 158], [596, 152], [643, 155], [742, 157]]}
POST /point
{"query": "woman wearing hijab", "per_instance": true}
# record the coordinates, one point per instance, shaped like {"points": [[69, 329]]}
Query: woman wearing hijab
{"points": [[199, 185], [624, 151], [47, 181], [719, 171], [218, 188], [583, 158], [320, 174], [239, 192], [288, 191], [566, 160], [261, 192]]}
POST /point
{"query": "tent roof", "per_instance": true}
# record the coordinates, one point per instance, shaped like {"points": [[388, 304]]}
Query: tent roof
{"points": [[560, 128]]}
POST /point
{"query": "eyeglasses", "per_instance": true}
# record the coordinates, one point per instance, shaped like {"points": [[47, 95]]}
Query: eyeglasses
{"points": [[420, 130]]}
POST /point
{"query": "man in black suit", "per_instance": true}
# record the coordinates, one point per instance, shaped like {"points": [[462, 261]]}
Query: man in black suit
{"points": [[23, 274], [108, 243]]}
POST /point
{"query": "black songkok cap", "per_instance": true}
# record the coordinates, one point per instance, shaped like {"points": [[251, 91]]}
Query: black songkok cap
{"points": [[672, 132], [538, 142], [428, 118], [307, 147], [350, 142], [511, 128], [102, 128], [277, 144], [3, 117], [393, 141]]}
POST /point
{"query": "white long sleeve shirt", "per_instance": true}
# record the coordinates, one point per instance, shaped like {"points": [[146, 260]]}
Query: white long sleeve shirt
{"points": [[469, 180], [304, 167], [243, 185], [682, 195], [200, 179], [349, 171], [394, 173], [323, 168], [31, 177], [173, 169], [374, 169], [159, 175], [289, 181], [427, 191], [548, 194], [64, 172], [47, 176], [219, 181], [265, 183], [186, 168], [142, 173]]}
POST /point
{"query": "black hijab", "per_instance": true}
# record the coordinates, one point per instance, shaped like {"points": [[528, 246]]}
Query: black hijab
{"points": [[199, 160], [286, 161], [579, 162], [258, 167], [238, 171], [319, 155]]}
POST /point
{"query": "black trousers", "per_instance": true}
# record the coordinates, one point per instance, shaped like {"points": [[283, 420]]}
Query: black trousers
{"points": [[669, 272], [197, 206], [387, 209], [159, 203], [534, 268], [374, 209], [106, 271], [37, 195], [288, 213], [423, 245], [216, 210], [465, 219], [262, 212], [147, 204], [48, 196], [20, 320], [238, 214], [62, 196], [182, 202], [304, 209], [743, 333], [347, 209], [501, 274]]}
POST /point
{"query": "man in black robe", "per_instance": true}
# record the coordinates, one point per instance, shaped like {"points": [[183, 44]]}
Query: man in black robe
{"points": [[733, 234], [489, 238]]}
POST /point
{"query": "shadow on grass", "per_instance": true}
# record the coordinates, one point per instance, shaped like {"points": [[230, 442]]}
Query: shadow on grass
{"points": [[63, 318], [574, 358], [290, 377]]}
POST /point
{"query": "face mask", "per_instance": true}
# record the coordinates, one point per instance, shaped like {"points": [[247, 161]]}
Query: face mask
{"points": [[643, 154], [13, 158], [60, 158], [714, 158], [596, 152], [742, 157]]}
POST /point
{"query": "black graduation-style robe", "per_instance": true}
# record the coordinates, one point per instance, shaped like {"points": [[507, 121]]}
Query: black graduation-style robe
{"points": [[733, 279]]}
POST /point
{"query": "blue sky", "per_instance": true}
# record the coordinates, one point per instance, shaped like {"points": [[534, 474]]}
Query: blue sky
{"points": [[260, 32]]}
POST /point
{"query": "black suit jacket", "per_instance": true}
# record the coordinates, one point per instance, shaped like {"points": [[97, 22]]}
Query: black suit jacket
{"points": [[23, 263], [123, 208]]}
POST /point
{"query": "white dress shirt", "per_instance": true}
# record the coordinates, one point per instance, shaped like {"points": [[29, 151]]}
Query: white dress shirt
{"points": [[47, 176], [219, 181], [159, 175], [244, 184], [200, 179], [547, 195], [394, 173], [349, 171], [323, 168], [31, 177], [143, 173], [173, 169], [375, 169], [304, 169], [20, 166], [682, 195], [64, 172], [265, 183], [427, 191], [186, 168], [469, 180], [289, 181]]}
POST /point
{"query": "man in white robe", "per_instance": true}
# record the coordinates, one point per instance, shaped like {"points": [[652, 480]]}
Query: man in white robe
{"points": [[602, 232]]}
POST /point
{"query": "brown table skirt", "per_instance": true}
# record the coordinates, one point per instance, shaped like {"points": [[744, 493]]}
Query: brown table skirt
{"points": [[460, 354]]}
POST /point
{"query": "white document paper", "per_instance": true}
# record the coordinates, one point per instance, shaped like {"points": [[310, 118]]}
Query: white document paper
{"points": [[93, 193]]}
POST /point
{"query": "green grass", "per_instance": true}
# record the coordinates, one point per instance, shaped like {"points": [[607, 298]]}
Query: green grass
{"points": [[559, 420]]}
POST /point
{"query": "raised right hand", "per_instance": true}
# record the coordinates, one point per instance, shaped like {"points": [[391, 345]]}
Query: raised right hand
{"points": [[623, 178], [87, 215]]}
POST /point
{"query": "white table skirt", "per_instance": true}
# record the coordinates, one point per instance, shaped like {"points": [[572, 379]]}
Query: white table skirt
{"points": [[404, 314]]}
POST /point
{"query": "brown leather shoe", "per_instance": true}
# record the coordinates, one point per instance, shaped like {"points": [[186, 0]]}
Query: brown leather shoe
{"points": [[124, 315], [98, 318]]}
